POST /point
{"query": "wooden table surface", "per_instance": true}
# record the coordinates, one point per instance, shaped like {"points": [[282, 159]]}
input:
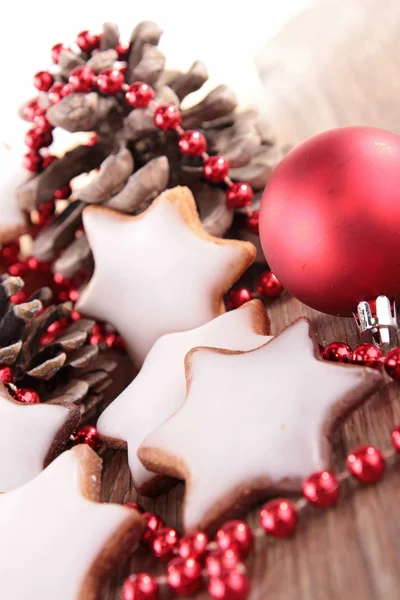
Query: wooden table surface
{"points": [[352, 551]]}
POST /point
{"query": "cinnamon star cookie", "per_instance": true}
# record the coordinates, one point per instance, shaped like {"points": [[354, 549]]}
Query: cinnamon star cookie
{"points": [[31, 435], [158, 272], [159, 389], [71, 541], [254, 423]]}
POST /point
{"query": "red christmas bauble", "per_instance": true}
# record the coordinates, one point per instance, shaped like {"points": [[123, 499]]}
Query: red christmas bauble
{"points": [[330, 217]]}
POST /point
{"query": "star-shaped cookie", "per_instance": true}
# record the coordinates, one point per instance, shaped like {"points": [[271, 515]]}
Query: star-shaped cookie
{"points": [[158, 272], [12, 174], [159, 389], [70, 541], [254, 423], [30, 436]]}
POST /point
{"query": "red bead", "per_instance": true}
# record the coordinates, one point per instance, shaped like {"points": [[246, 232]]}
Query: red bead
{"points": [[184, 576], [82, 79], [42, 123], [141, 586], [32, 161], [88, 41], [58, 91], [109, 81], [122, 50], [321, 489], [63, 193], [231, 585], [43, 81], [164, 542], [237, 535], [32, 109], [239, 195], [279, 517], [392, 363], [192, 143], [26, 395], [139, 94], [337, 352], [167, 117], [251, 222], [368, 355], [96, 339], [396, 438], [61, 280], [19, 297], [89, 435], [19, 269], [135, 506], [269, 285], [153, 524], [48, 160], [366, 463], [216, 168], [36, 139], [93, 140], [47, 338], [57, 327], [6, 374], [56, 51], [193, 545], [219, 561], [237, 297], [75, 316], [10, 252]]}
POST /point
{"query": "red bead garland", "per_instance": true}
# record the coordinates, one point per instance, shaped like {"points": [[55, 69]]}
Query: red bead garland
{"points": [[392, 363], [366, 463], [43, 81], [279, 517], [216, 168], [110, 81], [239, 195], [140, 587], [184, 576], [89, 435], [82, 79], [230, 585], [269, 285], [219, 561], [58, 91], [6, 374], [239, 296], [235, 535], [321, 489], [368, 355], [27, 395], [337, 352], [139, 94], [88, 41], [167, 117], [396, 438], [164, 542], [192, 143], [56, 51], [251, 222], [153, 524], [193, 545]]}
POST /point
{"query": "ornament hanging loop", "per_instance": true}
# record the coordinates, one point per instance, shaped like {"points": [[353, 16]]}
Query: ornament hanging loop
{"points": [[378, 320]]}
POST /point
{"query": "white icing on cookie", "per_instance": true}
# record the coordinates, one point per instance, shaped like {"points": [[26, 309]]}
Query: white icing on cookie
{"points": [[159, 272], [27, 432], [58, 530], [160, 387], [12, 174], [253, 416]]}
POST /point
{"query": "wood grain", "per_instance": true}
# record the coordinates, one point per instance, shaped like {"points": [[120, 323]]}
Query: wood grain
{"points": [[352, 551]]}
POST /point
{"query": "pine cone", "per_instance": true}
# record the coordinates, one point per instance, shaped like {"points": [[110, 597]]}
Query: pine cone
{"points": [[137, 161], [68, 368]]}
